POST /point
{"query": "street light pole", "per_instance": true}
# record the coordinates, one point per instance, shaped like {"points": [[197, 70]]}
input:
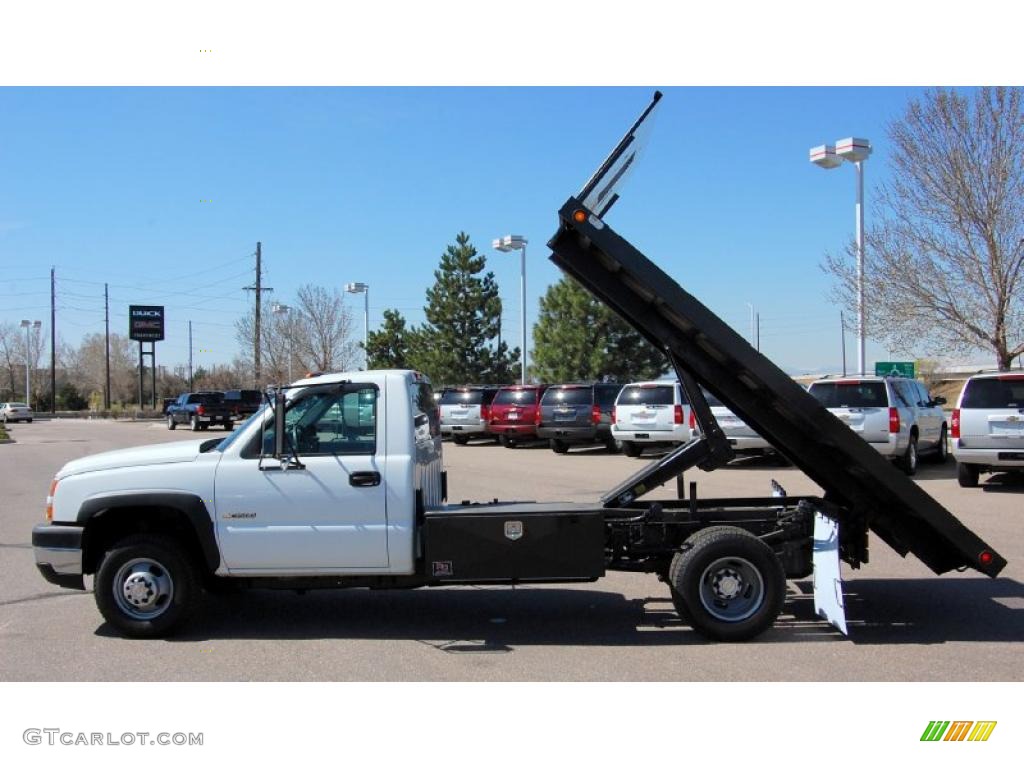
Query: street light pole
{"points": [[27, 325], [517, 243], [284, 309], [364, 289], [828, 156]]}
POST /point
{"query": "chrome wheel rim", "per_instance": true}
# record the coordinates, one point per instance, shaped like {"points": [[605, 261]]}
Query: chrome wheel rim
{"points": [[143, 588], [731, 589]]}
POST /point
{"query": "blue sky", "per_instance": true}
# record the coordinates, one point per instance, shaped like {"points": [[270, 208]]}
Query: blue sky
{"points": [[370, 184]]}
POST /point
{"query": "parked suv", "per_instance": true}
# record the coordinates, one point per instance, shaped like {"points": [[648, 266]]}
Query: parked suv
{"points": [[896, 416], [573, 414], [243, 402], [465, 412], [651, 413], [514, 413], [742, 438], [988, 426]]}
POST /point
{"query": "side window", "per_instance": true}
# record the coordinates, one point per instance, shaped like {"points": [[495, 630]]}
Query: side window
{"points": [[426, 411], [330, 424], [903, 399]]}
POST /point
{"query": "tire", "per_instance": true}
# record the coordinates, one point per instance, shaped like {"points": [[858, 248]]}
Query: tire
{"points": [[908, 462], [559, 446], [194, 423], [147, 586], [631, 449], [170, 422], [967, 475], [727, 584], [612, 446], [460, 439], [941, 450], [28, 421], [507, 441], [228, 426]]}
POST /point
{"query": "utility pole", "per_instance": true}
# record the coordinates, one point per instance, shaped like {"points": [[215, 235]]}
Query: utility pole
{"points": [[53, 342], [106, 318], [190, 387], [842, 335], [259, 293], [758, 336]]}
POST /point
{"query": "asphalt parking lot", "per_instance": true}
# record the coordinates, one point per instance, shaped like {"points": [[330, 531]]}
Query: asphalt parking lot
{"points": [[906, 623]]}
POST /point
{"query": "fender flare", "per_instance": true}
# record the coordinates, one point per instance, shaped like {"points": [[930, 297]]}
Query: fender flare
{"points": [[189, 504]]}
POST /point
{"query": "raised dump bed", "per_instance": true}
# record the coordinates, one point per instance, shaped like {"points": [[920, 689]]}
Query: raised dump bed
{"points": [[861, 488]]}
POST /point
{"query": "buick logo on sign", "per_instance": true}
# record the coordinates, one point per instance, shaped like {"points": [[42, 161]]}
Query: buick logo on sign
{"points": [[513, 530], [145, 323]]}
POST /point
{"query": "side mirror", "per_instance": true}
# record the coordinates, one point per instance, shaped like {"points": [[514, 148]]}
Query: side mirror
{"points": [[939, 400], [279, 403]]}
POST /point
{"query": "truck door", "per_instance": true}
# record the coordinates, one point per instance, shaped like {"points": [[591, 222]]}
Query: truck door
{"points": [[327, 514]]}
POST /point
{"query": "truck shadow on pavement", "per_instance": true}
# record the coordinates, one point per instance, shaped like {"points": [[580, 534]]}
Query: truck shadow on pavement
{"points": [[498, 619]]}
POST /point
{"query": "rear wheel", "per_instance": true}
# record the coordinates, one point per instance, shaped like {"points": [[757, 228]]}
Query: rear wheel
{"points": [[611, 445], [147, 585], [727, 584], [559, 446], [507, 441], [460, 439], [228, 426], [170, 422], [194, 423], [630, 448], [908, 463], [967, 475]]}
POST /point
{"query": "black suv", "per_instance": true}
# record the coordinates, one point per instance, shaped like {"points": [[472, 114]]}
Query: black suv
{"points": [[243, 402], [573, 414]]}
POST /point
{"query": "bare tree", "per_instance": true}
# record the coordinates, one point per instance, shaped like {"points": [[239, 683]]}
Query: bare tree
{"points": [[10, 359], [943, 264], [85, 366], [324, 339]]}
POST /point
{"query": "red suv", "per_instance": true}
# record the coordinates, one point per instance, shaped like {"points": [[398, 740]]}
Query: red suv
{"points": [[515, 413]]}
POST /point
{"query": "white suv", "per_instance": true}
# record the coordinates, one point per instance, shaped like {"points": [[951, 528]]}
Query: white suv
{"points": [[988, 426], [651, 413], [896, 416]]}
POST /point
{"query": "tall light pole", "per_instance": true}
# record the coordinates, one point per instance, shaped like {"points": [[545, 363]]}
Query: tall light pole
{"points": [[27, 325], [830, 156], [284, 309], [364, 289], [517, 243]]}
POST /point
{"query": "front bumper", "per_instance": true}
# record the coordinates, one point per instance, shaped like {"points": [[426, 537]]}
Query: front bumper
{"points": [[58, 551]]}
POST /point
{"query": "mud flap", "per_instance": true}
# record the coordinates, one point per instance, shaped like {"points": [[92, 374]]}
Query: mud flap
{"points": [[828, 580]]}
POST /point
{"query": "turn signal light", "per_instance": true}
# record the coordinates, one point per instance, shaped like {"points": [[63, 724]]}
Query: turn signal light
{"points": [[579, 216], [49, 501]]}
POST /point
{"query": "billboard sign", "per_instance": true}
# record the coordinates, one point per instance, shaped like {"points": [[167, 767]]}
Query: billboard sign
{"points": [[145, 323]]}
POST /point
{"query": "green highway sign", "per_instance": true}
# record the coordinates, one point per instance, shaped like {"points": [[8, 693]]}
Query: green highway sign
{"points": [[907, 370]]}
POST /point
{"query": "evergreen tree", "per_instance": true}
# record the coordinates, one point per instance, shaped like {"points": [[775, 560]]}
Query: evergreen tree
{"points": [[458, 343], [390, 346], [577, 338]]}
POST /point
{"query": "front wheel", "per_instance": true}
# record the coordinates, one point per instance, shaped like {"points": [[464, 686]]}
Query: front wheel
{"points": [[967, 475], [146, 586], [727, 584], [941, 450]]}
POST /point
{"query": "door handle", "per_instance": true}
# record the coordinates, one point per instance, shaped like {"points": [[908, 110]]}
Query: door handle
{"points": [[364, 479]]}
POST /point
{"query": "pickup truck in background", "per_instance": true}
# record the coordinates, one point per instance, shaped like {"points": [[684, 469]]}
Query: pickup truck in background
{"points": [[243, 402], [200, 410]]}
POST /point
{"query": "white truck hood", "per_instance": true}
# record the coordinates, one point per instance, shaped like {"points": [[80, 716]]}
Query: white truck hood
{"points": [[163, 453]]}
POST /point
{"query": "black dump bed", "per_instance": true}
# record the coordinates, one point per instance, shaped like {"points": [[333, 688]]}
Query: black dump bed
{"points": [[861, 486]]}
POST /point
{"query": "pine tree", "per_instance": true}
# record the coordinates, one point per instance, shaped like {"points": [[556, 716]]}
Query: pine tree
{"points": [[577, 338], [458, 342], [390, 346]]}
